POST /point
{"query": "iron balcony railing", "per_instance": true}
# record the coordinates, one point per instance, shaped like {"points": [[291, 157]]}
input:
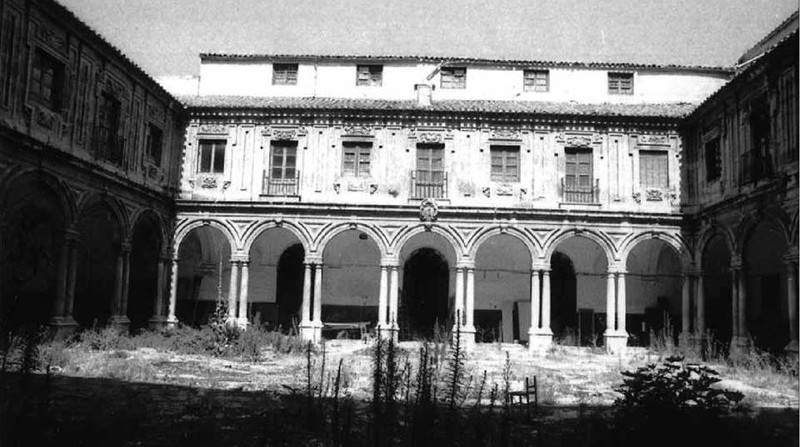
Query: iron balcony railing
{"points": [[754, 166], [108, 146], [285, 186], [428, 184], [572, 191]]}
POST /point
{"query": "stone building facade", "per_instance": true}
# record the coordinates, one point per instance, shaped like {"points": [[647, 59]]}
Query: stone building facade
{"points": [[90, 148], [514, 199]]}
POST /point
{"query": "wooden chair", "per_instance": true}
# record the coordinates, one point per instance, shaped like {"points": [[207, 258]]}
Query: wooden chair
{"points": [[524, 396]]}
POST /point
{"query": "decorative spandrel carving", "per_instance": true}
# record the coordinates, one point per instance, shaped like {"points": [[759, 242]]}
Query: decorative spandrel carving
{"points": [[116, 88], [431, 136], [208, 182], [637, 197], [45, 118], [53, 38], [289, 134], [428, 212], [654, 195]]}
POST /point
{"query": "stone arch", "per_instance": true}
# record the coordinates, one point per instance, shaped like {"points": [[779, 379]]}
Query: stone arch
{"points": [[183, 229], [707, 235], [256, 230], [487, 233], [408, 232], [157, 219], [675, 242], [117, 209], [749, 225], [55, 185], [327, 234], [597, 236]]}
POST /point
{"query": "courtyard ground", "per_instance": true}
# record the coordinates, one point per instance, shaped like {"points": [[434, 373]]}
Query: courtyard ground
{"points": [[149, 396]]}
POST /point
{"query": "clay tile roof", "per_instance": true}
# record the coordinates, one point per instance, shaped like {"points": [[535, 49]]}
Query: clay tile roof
{"points": [[663, 110]]}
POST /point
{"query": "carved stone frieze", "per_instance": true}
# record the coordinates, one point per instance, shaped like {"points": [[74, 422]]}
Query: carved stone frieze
{"points": [[45, 118], [54, 38], [208, 182], [579, 140], [653, 140], [284, 133], [654, 195], [215, 129], [637, 197], [358, 129], [116, 88], [505, 134], [431, 136], [504, 189]]}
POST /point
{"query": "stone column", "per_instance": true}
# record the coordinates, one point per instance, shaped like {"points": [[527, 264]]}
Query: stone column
{"points": [[616, 338], [700, 301], [791, 293], [233, 289], [536, 302], [383, 300], [394, 290], [610, 304], [305, 316], [317, 315], [126, 280], [686, 305], [157, 320], [61, 321], [119, 305], [172, 320], [243, 322], [458, 312], [61, 284], [545, 329], [734, 303], [621, 305], [469, 308], [72, 273], [742, 307]]}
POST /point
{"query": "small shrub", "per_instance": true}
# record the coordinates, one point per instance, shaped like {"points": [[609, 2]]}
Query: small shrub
{"points": [[672, 388]]}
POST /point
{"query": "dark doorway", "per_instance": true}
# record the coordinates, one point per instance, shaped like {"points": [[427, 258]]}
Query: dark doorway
{"points": [[426, 279], [97, 267], [143, 283], [769, 328], [563, 295], [289, 287], [717, 290]]}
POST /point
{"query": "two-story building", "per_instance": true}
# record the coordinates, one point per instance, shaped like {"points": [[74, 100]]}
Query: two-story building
{"points": [[90, 148], [527, 198]]}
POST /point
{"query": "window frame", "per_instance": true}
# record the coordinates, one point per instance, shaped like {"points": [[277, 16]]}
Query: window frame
{"points": [[373, 78], [616, 81], [713, 167], [504, 176], [282, 71], [359, 149], [449, 78], [529, 78], [154, 147], [43, 62], [213, 143], [286, 146], [644, 154]]}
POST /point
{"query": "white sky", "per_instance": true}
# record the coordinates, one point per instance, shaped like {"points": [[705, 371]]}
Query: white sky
{"points": [[165, 36]]}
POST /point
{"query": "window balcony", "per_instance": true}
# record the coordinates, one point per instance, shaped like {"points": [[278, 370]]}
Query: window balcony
{"points": [[283, 187], [108, 146], [572, 191], [428, 184], [754, 166]]}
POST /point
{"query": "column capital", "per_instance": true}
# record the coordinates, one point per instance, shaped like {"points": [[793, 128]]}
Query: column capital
{"points": [[737, 262], [390, 261], [125, 247], [616, 270], [465, 264], [540, 264], [71, 235], [791, 257], [313, 259], [692, 271], [240, 257]]}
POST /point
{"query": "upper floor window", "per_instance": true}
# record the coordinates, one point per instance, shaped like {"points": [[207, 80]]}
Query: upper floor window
{"points": [[579, 185], [369, 75], [653, 169], [212, 156], [505, 163], [620, 83], [536, 80], [284, 74], [454, 77], [713, 160], [356, 158], [283, 160], [108, 145], [154, 144], [47, 80]]}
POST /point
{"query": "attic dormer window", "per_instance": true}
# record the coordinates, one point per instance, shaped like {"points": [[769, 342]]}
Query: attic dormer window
{"points": [[620, 83], [284, 74], [454, 77], [369, 75]]}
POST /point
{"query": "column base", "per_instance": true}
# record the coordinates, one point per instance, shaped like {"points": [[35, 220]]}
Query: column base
{"points": [[467, 337], [120, 322], [62, 327], [242, 323], [792, 348], [539, 340], [172, 322], [616, 342], [157, 323], [311, 331], [739, 345], [387, 331]]}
